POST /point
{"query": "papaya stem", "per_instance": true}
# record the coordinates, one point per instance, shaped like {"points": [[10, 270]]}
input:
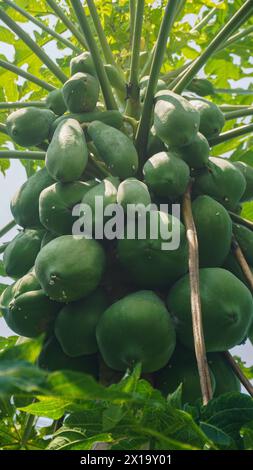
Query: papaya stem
{"points": [[7, 228], [44, 27], [239, 113], [145, 121], [233, 91], [28, 429], [132, 122], [236, 37], [27, 75], [23, 154], [3, 247], [132, 13], [22, 104], [237, 19], [38, 51], [232, 134], [240, 220], [232, 107], [242, 262], [101, 73], [198, 335], [238, 372], [68, 23], [205, 20]]}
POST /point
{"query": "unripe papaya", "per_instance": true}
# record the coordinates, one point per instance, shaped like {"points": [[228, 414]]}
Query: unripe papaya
{"points": [[67, 154], [196, 154], [214, 231], [232, 265], [222, 181], [137, 328], [146, 260], [115, 79], [166, 175], [247, 172], [25, 203], [55, 102], [75, 326], [115, 148], [161, 85], [20, 254], [227, 309], [48, 237], [176, 121], [80, 93], [70, 267], [225, 379], [82, 63], [244, 237], [56, 204], [30, 126], [201, 86], [5, 299], [181, 369], [133, 191], [52, 358], [155, 145], [211, 117]]}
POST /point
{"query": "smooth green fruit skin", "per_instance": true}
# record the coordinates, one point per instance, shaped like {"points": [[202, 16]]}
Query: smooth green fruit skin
{"points": [[155, 145], [29, 126], [232, 265], [226, 380], [211, 118], [107, 190], [115, 148], [247, 172], [55, 102], [176, 121], [48, 237], [56, 203], [166, 175], [70, 267], [82, 63], [80, 93], [250, 333], [25, 203], [227, 309], [214, 231], [196, 154], [52, 358], [146, 263], [133, 191], [137, 328], [20, 254], [181, 369], [75, 326], [222, 181], [201, 86], [244, 237], [67, 154], [115, 79]]}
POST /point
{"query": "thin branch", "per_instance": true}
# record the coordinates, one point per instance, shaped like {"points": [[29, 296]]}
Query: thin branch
{"points": [[242, 262], [23, 154], [44, 27], [205, 20], [27, 75], [232, 107], [7, 228], [37, 50], [239, 113], [238, 372], [101, 73], [236, 37], [28, 429], [232, 134], [199, 342], [22, 104], [233, 91], [3, 247], [240, 220], [132, 13], [68, 23]]}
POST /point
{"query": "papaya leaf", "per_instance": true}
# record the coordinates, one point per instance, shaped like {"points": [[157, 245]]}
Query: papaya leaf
{"points": [[247, 435]]}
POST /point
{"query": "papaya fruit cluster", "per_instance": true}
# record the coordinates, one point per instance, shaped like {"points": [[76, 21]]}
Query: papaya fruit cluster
{"points": [[127, 300]]}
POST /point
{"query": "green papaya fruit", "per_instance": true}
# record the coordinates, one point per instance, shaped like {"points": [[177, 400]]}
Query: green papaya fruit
{"points": [[137, 328], [25, 203], [67, 154], [75, 326], [201, 86], [247, 172], [176, 121], [55, 102], [181, 369], [21, 252], [5, 299], [52, 358], [70, 267], [82, 63], [133, 191], [225, 379], [214, 231], [227, 309], [30, 126], [115, 148], [113, 118], [212, 118], [115, 78], [56, 203], [222, 181], [196, 154], [48, 237], [161, 85], [166, 175], [146, 260], [232, 265], [244, 237], [80, 93], [155, 145]]}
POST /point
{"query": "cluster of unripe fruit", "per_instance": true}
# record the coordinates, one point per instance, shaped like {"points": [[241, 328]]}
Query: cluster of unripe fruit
{"points": [[83, 293]]}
